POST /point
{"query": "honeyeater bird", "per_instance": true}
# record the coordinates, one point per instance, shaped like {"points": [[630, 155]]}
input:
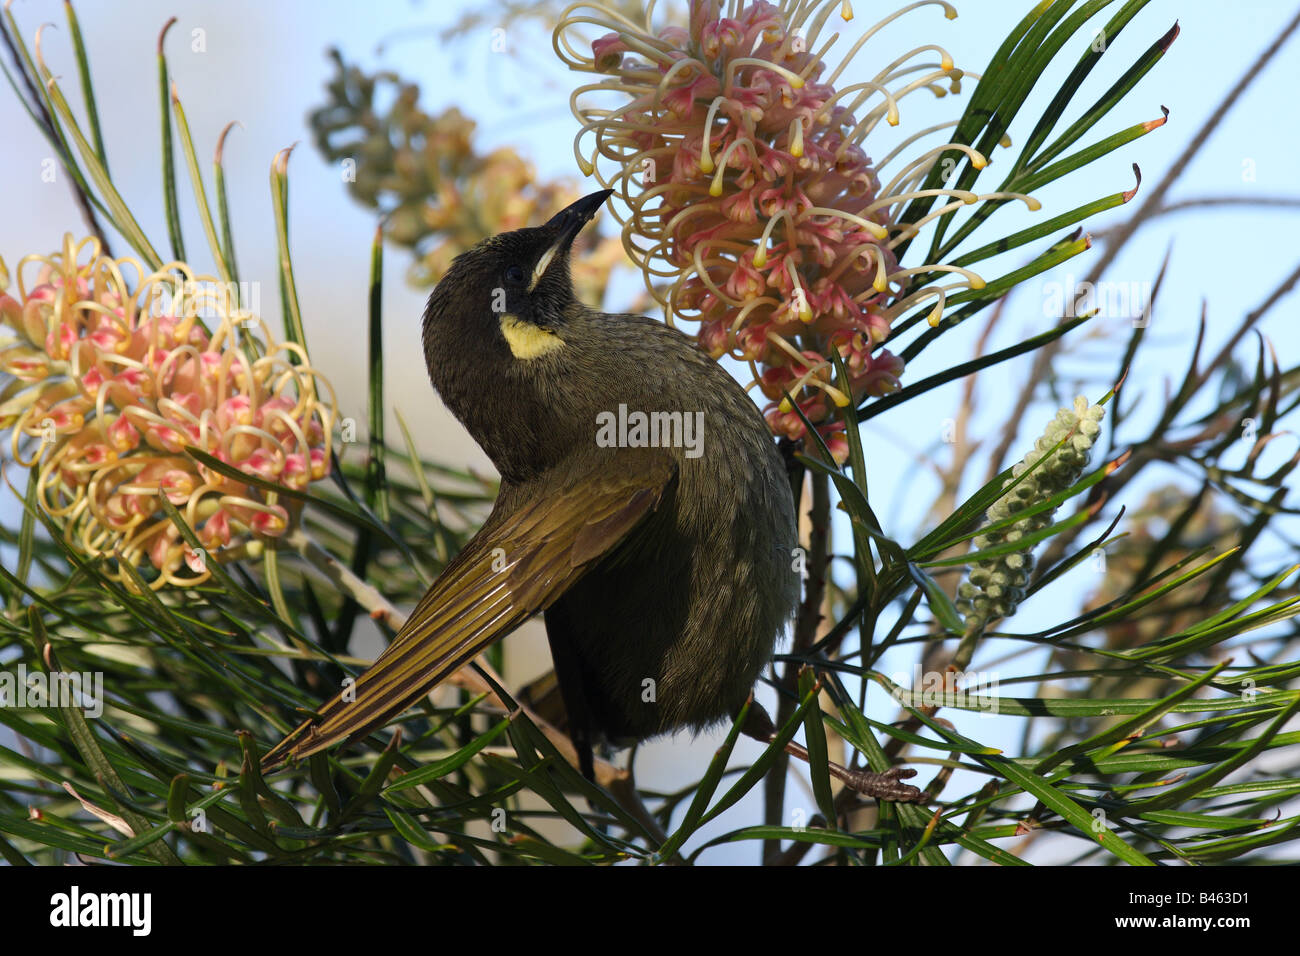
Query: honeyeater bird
{"points": [[643, 508]]}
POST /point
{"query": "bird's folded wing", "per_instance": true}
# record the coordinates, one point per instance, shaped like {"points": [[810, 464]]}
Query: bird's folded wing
{"points": [[526, 555]]}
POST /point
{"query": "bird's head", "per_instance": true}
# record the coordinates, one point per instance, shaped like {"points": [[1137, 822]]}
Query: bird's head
{"points": [[495, 331], [513, 291]]}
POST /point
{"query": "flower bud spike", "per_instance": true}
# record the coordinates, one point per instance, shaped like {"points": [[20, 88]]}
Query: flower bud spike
{"points": [[995, 586]]}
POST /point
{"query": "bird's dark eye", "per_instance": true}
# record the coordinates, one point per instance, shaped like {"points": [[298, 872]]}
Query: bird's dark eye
{"points": [[514, 274]]}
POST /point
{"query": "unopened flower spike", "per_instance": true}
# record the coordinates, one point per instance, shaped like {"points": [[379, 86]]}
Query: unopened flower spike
{"points": [[996, 585]]}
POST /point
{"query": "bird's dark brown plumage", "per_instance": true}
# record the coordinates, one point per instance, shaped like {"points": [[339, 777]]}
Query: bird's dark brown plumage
{"points": [[666, 576]]}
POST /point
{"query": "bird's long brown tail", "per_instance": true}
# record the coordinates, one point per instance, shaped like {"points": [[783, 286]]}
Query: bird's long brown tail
{"points": [[533, 547]]}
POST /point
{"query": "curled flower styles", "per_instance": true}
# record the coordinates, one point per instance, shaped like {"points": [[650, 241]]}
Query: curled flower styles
{"points": [[115, 373], [755, 210]]}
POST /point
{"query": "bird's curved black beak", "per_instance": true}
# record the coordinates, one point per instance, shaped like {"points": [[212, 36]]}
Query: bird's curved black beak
{"points": [[566, 224]]}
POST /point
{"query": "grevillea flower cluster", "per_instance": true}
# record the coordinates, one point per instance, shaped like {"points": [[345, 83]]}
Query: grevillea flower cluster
{"points": [[115, 372], [755, 210], [996, 585]]}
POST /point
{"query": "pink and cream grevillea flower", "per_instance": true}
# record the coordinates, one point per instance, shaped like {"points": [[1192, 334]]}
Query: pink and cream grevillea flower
{"points": [[754, 208], [115, 372]]}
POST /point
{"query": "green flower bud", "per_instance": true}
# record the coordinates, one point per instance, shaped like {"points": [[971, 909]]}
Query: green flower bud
{"points": [[995, 586]]}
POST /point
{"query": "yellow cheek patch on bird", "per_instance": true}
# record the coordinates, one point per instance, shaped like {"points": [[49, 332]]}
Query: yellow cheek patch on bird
{"points": [[528, 341]]}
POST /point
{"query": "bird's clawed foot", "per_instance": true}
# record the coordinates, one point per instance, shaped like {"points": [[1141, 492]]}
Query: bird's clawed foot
{"points": [[884, 786]]}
